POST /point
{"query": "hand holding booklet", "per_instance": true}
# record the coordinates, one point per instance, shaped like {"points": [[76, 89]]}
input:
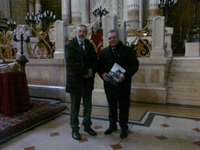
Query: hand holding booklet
{"points": [[115, 73]]}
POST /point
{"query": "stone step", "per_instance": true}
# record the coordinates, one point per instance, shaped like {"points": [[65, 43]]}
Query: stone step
{"points": [[136, 112], [185, 63], [183, 79], [187, 102], [194, 75], [184, 69], [185, 59], [184, 87], [183, 95]]}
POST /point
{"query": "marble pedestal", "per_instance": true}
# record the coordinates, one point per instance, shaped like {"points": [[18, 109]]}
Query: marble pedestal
{"points": [[192, 49]]}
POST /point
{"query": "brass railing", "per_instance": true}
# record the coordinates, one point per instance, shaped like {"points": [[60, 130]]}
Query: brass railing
{"points": [[42, 49], [141, 45], [7, 51]]}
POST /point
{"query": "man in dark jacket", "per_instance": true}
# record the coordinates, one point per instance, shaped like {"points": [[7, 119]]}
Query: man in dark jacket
{"points": [[117, 95], [81, 61]]}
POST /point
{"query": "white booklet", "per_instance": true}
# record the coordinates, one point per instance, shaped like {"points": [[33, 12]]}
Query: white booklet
{"points": [[114, 74]]}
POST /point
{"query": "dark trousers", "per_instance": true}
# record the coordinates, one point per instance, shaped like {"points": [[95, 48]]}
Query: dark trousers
{"points": [[123, 103], [75, 108]]}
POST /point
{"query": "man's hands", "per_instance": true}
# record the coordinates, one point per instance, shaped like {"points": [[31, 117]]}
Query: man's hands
{"points": [[89, 74], [121, 77], [105, 77]]}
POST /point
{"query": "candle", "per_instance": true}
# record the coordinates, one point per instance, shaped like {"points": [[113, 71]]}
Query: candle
{"points": [[45, 14], [27, 33]]}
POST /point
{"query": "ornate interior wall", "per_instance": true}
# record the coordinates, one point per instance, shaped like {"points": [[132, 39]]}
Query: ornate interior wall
{"points": [[181, 16], [115, 7]]}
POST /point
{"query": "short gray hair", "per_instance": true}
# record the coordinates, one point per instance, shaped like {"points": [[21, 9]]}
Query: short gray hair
{"points": [[81, 25], [111, 31]]}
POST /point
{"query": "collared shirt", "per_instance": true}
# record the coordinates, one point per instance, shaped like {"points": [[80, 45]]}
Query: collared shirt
{"points": [[113, 49], [81, 43]]}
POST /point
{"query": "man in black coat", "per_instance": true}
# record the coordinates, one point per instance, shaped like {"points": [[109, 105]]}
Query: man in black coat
{"points": [[81, 63], [118, 96]]}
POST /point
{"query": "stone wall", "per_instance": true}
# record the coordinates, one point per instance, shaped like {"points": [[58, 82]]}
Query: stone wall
{"points": [[46, 78]]}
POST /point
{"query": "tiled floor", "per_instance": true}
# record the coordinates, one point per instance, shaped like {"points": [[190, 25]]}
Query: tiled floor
{"points": [[155, 127]]}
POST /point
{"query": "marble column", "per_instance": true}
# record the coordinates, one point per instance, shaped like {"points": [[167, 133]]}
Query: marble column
{"points": [[66, 10], [133, 13], [37, 10], [109, 22], [61, 35], [153, 11], [125, 14], [85, 11], [31, 10], [31, 6], [76, 12], [141, 14]]}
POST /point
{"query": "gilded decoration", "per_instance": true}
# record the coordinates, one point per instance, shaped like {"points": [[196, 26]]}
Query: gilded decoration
{"points": [[140, 45], [42, 49], [7, 51], [153, 12]]}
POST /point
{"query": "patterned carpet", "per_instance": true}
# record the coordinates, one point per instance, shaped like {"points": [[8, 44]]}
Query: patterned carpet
{"points": [[41, 110]]}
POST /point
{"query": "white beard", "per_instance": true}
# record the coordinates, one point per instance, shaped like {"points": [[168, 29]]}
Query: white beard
{"points": [[80, 39]]}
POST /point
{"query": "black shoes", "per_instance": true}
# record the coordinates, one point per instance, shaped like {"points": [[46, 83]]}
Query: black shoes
{"points": [[76, 135], [123, 134], [110, 130], [90, 131]]}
